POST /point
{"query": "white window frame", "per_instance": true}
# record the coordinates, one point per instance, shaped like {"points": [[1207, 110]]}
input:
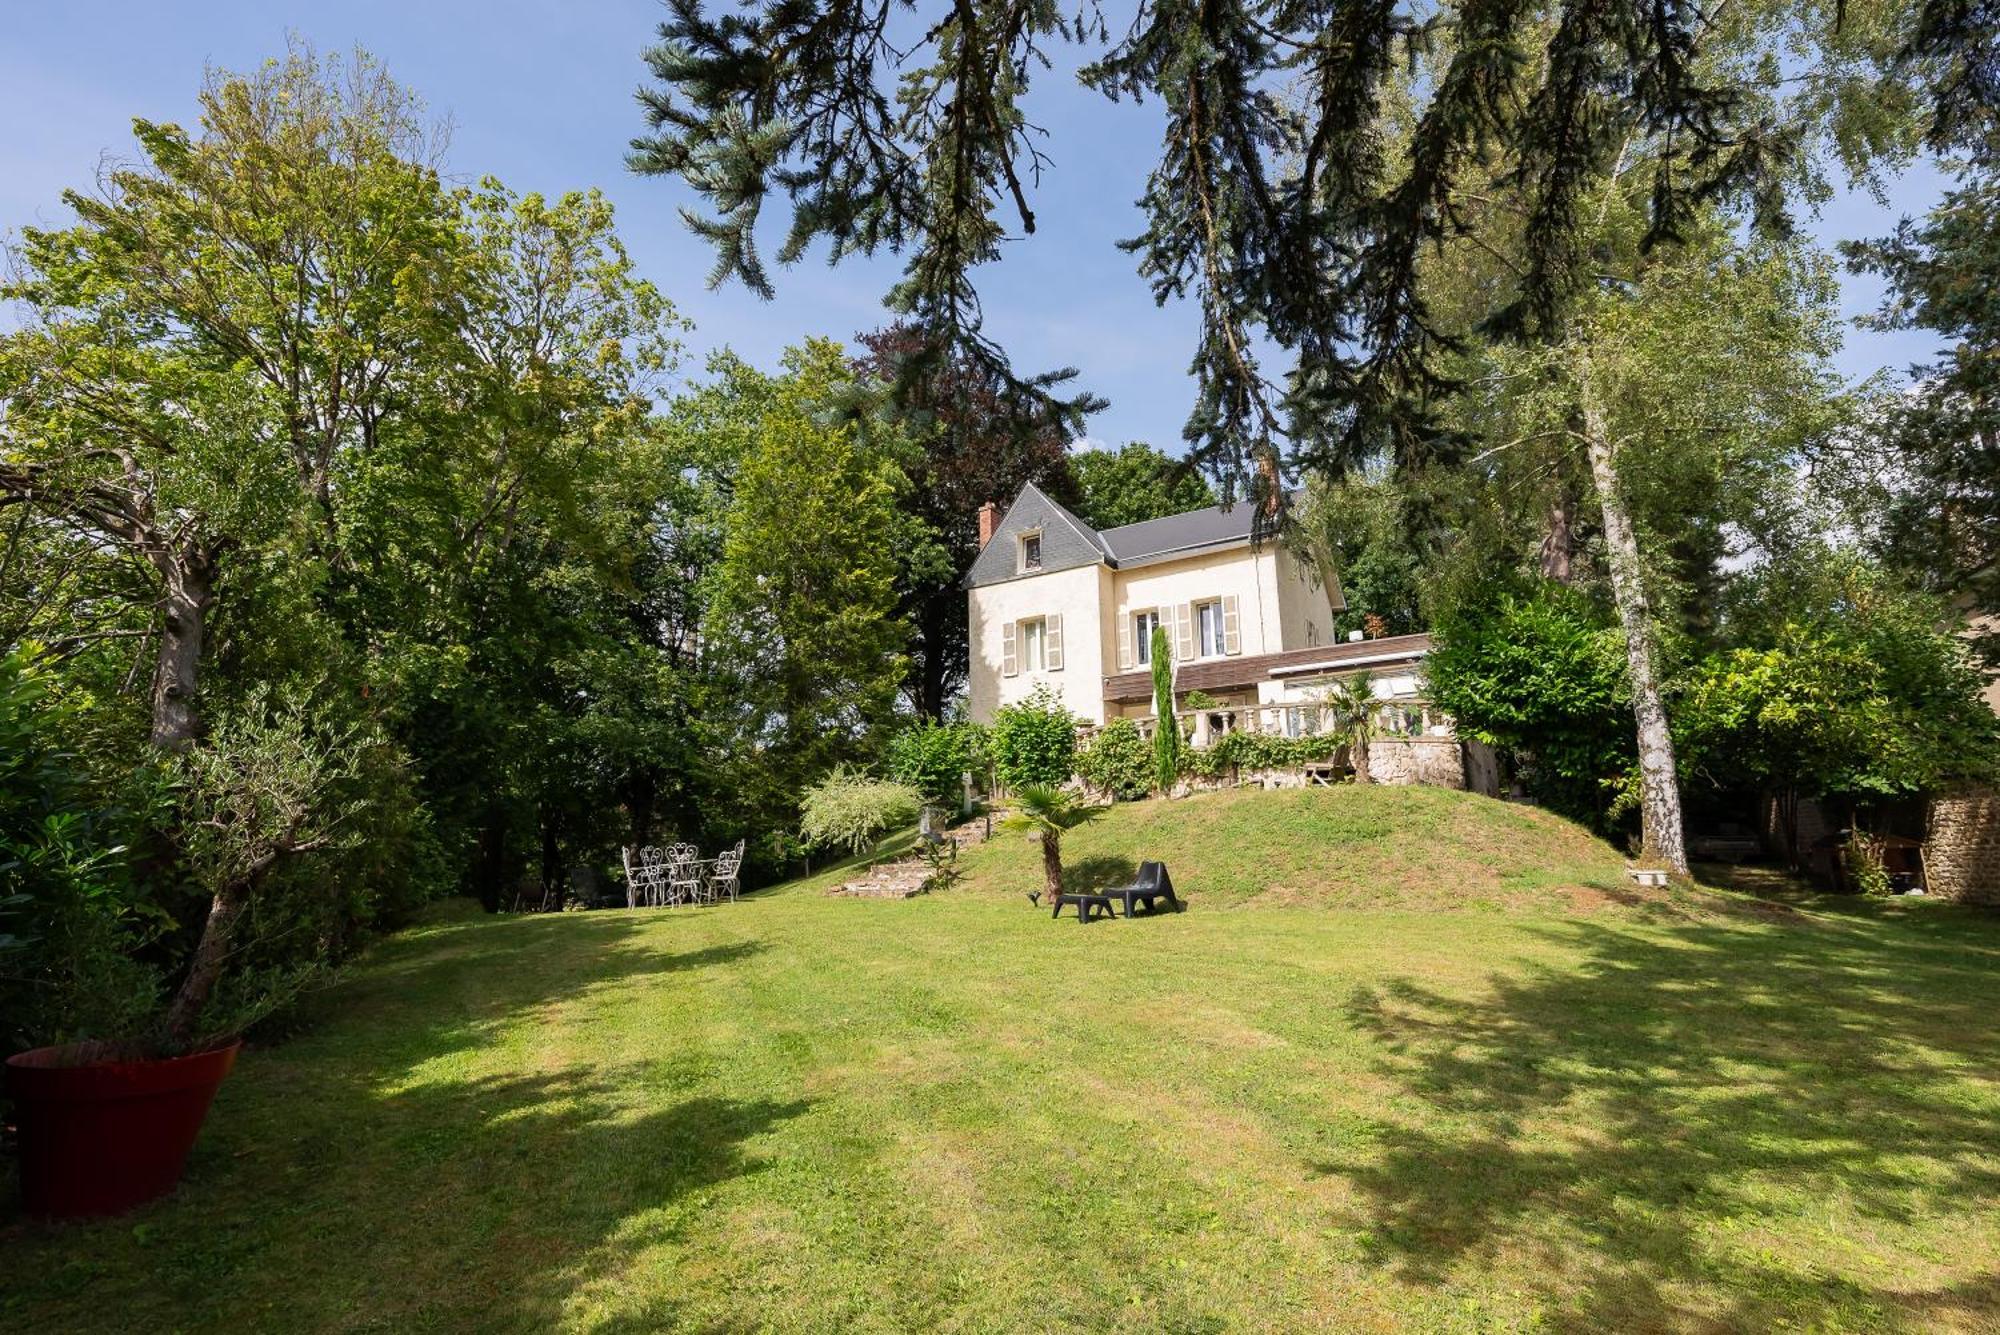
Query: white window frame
{"points": [[1207, 617], [1144, 623], [1034, 644], [1027, 567]]}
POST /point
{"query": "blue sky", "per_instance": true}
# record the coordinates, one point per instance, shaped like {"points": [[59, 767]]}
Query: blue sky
{"points": [[540, 95]]}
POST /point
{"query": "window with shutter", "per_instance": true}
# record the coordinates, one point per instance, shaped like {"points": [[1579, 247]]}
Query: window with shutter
{"points": [[1183, 631], [1052, 643], [1034, 644], [1232, 630], [1010, 653], [1208, 629], [1143, 624]]}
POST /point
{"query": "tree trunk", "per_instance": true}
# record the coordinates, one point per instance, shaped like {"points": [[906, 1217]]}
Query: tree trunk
{"points": [[1361, 774], [1661, 840], [490, 862], [552, 864], [1788, 824], [1558, 556], [932, 636], [206, 966], [1052, 863], [190, 587], [641, 797]]}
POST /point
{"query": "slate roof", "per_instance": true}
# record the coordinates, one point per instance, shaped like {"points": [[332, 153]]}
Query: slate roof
{"points": [[1205, 530], [1179, 535]]}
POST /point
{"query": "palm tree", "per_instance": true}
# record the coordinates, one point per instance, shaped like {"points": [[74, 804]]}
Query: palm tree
{"points": [[1352, 702], [1048, 812]]}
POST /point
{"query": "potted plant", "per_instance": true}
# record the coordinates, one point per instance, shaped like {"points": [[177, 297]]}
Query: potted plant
{"points": [[107, 1114]]}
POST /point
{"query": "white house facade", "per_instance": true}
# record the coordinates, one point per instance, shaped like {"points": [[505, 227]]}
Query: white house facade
{"points": [[1054, 602]]}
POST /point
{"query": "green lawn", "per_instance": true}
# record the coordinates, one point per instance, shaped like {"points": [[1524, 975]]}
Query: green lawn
{"points": [[1541, 1104]]}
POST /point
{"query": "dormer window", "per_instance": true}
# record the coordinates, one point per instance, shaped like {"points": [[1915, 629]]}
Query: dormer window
{"points": [[1031, 552]]}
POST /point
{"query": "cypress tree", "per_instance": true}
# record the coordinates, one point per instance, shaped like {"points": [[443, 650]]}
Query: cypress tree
{"points": [[1167, 732]]}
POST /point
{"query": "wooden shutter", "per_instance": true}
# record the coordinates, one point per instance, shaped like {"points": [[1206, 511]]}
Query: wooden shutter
{"points": [[1052, 642], [1010, 654], [1232, 631], [1183, 631], [1126, 661]]}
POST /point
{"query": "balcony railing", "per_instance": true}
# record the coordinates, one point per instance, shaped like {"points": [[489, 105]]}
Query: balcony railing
{"points": [[1394, 720]]}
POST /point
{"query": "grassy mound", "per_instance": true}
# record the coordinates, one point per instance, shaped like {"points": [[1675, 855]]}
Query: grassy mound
{"points": [[1347, 847]]}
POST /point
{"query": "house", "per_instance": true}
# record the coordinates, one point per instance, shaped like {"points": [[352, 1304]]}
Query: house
{"points": [[1054, 602]]}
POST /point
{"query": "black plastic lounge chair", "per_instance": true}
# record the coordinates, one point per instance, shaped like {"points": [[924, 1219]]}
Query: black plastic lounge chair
{"points": [[1152, 886]]}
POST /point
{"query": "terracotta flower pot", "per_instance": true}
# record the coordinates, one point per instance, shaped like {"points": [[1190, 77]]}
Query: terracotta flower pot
{"points": [[100, 1136]]}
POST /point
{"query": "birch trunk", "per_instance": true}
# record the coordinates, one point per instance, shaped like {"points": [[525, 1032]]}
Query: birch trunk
{"points": [[1662, 843], [189, 588], [1558, 554]]}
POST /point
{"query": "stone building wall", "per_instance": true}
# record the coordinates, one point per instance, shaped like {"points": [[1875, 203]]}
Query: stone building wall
{"points": [[1962, 846]]}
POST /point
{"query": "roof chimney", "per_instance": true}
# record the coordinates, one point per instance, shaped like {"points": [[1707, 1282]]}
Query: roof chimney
{"points": [[989, 522]]}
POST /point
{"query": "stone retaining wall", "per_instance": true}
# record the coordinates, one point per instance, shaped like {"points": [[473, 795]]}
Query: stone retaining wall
{"points": [[1437, 761], [1962, 845]]}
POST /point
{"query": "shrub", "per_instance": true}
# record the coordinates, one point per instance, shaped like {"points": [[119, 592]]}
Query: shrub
{"points": [[1540, 669], [933, 757], [72, 917], [1034, 742], [941, 865], [849, 811], [1117, 762], [1258, 750]]}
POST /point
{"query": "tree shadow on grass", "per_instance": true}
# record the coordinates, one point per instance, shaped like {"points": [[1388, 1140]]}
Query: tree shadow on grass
{"points": [[1665, 1128], [1099, 873], [419, 997], [363, 1176]]}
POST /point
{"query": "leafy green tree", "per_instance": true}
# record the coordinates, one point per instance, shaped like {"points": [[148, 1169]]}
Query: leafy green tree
{"points": [[1537, 668], [1842, 687], [305, 424], [804, 614], [1133, 484], [972, 441], [230, 318], [1050, 813], [1940, 518], [1366, 536]]}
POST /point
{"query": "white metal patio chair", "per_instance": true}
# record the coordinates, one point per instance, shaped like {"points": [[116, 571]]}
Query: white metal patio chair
{"points": [[683, 874], [652, 877], [723, 879]]}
